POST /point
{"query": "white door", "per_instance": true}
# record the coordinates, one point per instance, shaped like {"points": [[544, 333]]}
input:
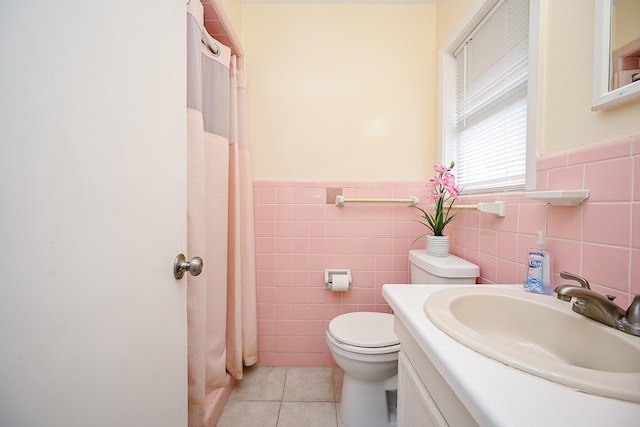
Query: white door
{"points": [[92, 213]]}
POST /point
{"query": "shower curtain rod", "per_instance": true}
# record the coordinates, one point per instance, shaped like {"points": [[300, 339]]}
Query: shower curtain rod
{"points": [[209, 42]]}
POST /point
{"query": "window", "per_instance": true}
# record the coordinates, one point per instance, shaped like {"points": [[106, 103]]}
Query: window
{"points": [[489, 74]]}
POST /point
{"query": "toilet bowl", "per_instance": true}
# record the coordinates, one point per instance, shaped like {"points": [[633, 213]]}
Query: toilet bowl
{"points": [[364, 345]]}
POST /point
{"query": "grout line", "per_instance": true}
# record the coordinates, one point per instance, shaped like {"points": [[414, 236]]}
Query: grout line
{"points": [[284, 385], [279, 410]]}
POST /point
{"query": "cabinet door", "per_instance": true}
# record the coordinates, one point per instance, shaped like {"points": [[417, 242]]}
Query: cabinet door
{"points": [[416, 408]]}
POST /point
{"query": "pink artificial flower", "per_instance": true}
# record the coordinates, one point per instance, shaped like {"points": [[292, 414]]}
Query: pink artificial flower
{"points": [[439, 168], [448, 176], [444, 193]]}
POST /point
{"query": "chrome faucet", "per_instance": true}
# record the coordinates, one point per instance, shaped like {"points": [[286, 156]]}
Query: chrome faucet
{"points": [[598, 307]]}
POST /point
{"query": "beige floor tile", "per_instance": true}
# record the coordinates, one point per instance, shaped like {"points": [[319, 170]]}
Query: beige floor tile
{"points": [[308, 414], [260, 383], [249, 414], [309, 384]]}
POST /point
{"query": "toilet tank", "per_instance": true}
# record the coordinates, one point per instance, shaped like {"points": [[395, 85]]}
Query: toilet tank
{"points": [[427, 269]]}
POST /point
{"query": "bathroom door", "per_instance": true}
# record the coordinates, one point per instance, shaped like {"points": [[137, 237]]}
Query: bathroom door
{"points": [[92, 213]]}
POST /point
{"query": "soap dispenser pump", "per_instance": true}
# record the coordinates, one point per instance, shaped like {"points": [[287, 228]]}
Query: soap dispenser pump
{"points": [[539, 268]]}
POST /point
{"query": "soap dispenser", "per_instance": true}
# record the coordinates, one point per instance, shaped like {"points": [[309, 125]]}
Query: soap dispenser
{"points": [[539, 268]]}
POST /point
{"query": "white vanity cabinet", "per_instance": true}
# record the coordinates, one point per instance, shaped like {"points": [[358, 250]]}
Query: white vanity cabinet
{"points": [[416, 408], [424, 397]]}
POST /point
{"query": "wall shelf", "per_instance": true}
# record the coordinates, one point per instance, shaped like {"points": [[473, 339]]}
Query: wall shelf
{"points": [[560, 197]]}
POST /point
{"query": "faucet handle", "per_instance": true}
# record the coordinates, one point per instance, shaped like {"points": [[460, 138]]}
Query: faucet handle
{"points": [[583, 282], [633, 312]]}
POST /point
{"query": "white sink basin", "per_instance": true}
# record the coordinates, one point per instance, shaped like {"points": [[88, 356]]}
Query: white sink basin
{"points": [[540, 335]]}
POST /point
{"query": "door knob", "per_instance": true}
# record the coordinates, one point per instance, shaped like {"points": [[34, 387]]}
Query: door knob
{"points": [[180, 265]]}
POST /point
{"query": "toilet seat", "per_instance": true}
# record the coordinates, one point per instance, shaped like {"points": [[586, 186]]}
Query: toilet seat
{"points": [[364, 332]]}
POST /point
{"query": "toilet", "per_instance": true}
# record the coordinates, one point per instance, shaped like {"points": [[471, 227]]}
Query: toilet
{"points": [[365, 346]]}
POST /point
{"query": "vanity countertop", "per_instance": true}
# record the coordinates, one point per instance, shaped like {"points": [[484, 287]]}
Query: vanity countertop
{"points": [[496, 394]]}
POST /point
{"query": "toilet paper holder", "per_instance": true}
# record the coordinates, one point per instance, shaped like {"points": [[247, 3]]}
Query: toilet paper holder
{"points": [[328, 276]]}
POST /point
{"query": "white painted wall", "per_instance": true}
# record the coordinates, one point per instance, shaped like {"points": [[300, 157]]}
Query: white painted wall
{"points": [[348, 91], [341, 91]]}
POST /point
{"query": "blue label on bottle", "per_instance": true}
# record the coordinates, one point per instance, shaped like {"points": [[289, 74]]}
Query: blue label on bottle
{"points": [[535, 263]]}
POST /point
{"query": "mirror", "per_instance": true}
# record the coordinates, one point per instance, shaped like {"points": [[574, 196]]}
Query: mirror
{"points": [[616, 52]]}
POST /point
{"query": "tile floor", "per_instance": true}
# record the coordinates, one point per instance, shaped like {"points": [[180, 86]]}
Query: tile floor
{"points": [[284, 397]]}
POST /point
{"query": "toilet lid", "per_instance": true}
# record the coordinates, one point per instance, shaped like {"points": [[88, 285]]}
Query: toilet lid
{"points": [[364, 329]]}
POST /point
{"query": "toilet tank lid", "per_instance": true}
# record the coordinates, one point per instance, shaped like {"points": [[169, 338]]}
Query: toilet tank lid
{"points": [[447, 267]]}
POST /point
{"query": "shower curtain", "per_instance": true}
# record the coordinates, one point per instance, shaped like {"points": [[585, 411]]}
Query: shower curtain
{"points": [[221, 301]]}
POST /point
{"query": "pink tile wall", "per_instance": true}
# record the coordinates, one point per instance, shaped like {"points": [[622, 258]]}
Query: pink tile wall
{"points": [[599, 239], [298, 235]]}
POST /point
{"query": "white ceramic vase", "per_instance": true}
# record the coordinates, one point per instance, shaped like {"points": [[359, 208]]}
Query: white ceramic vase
{"points": [[438, 246]]}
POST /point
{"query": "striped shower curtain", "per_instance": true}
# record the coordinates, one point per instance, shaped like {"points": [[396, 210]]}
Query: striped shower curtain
{"points": [[221, 301]]}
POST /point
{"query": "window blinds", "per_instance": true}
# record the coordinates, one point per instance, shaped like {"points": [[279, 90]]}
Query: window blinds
{"points": [[491, 100]]}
